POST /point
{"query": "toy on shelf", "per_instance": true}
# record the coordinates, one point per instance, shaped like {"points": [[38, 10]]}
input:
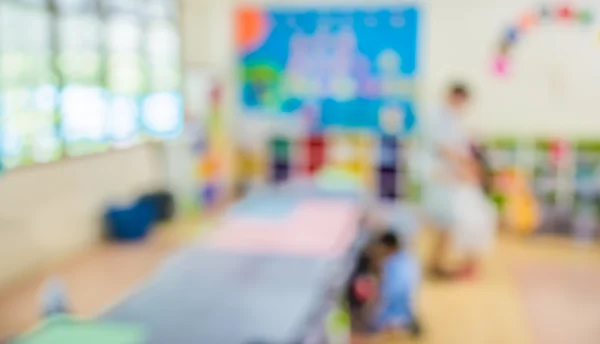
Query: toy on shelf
{"points": [[315, 150], [585, 223], [363, 161], [376, 162], [331, 178], [208, 170], [520, 210], [280, 149], [341, 152], [250, 166], [388, 168], [548, 186], [352, 152]]}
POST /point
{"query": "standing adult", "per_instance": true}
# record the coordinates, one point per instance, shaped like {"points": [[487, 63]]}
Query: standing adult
{"points": [[452, 180]]}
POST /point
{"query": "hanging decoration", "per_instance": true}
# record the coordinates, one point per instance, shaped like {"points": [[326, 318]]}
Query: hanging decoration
{"points": [[501, 65], [525, 22], [565, 13]]}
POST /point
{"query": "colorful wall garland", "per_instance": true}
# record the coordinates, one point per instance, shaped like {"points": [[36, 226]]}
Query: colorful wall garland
{"points": [[565, 14]]}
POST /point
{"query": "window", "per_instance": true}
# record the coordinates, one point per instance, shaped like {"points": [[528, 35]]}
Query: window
{"points": [[162, 114], [125, 73], [79, 77], [28, 118], [84, 102]]}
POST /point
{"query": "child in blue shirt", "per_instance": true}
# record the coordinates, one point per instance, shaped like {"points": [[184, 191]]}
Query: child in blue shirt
{"points": [[392, 277], [399, 282]]}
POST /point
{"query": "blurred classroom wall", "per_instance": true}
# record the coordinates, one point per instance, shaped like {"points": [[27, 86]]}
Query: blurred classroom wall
{"points": [[554, 71], [49, 211], [551, 89]]}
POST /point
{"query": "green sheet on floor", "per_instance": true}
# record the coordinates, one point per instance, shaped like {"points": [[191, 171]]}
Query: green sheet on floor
{"points": [[62, 330]]}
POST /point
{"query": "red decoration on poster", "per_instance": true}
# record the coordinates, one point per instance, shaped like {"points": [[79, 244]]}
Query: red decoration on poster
{"points": [[252, 28]]}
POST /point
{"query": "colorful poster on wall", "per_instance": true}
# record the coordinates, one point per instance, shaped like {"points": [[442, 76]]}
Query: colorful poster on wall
{"points": [[84, 102], [28, 126], [343, 69], [162, 114], [125, 69]]}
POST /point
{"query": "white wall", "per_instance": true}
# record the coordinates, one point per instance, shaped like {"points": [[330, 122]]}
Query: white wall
{"points": [[553, 90], [51, 211]]}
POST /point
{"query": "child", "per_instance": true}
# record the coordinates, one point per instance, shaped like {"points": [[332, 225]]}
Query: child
{"points": [[382, 290], [362, 289], [400, 279]]}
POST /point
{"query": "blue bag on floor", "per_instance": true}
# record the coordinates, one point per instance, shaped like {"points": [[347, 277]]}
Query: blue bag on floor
{"points": [[132, 222], [162, 203]]}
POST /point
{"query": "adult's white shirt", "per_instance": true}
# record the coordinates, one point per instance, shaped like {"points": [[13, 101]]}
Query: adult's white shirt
{"points": [[443, 131]]}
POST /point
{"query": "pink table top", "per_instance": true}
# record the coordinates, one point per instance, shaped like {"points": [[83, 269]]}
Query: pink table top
{"points": [[322, 227]]}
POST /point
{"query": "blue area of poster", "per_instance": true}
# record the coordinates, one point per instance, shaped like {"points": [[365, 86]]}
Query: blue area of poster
{"points": [[343, 69]]}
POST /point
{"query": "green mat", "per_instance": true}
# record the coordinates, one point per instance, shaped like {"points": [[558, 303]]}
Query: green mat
{"points": [[64, 330]]}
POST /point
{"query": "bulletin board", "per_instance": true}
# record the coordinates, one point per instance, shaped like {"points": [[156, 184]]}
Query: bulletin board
{"points": [[348, 69]]}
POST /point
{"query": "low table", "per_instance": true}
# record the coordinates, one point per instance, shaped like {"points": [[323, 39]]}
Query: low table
{"points": [[274, 286]]}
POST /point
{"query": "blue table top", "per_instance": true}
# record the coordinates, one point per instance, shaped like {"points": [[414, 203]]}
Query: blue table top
{"points": [[203, 295], [213, 297]]}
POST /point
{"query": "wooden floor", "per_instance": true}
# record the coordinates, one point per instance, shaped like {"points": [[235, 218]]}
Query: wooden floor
{"points": [[94, 279], [489, 310]]}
